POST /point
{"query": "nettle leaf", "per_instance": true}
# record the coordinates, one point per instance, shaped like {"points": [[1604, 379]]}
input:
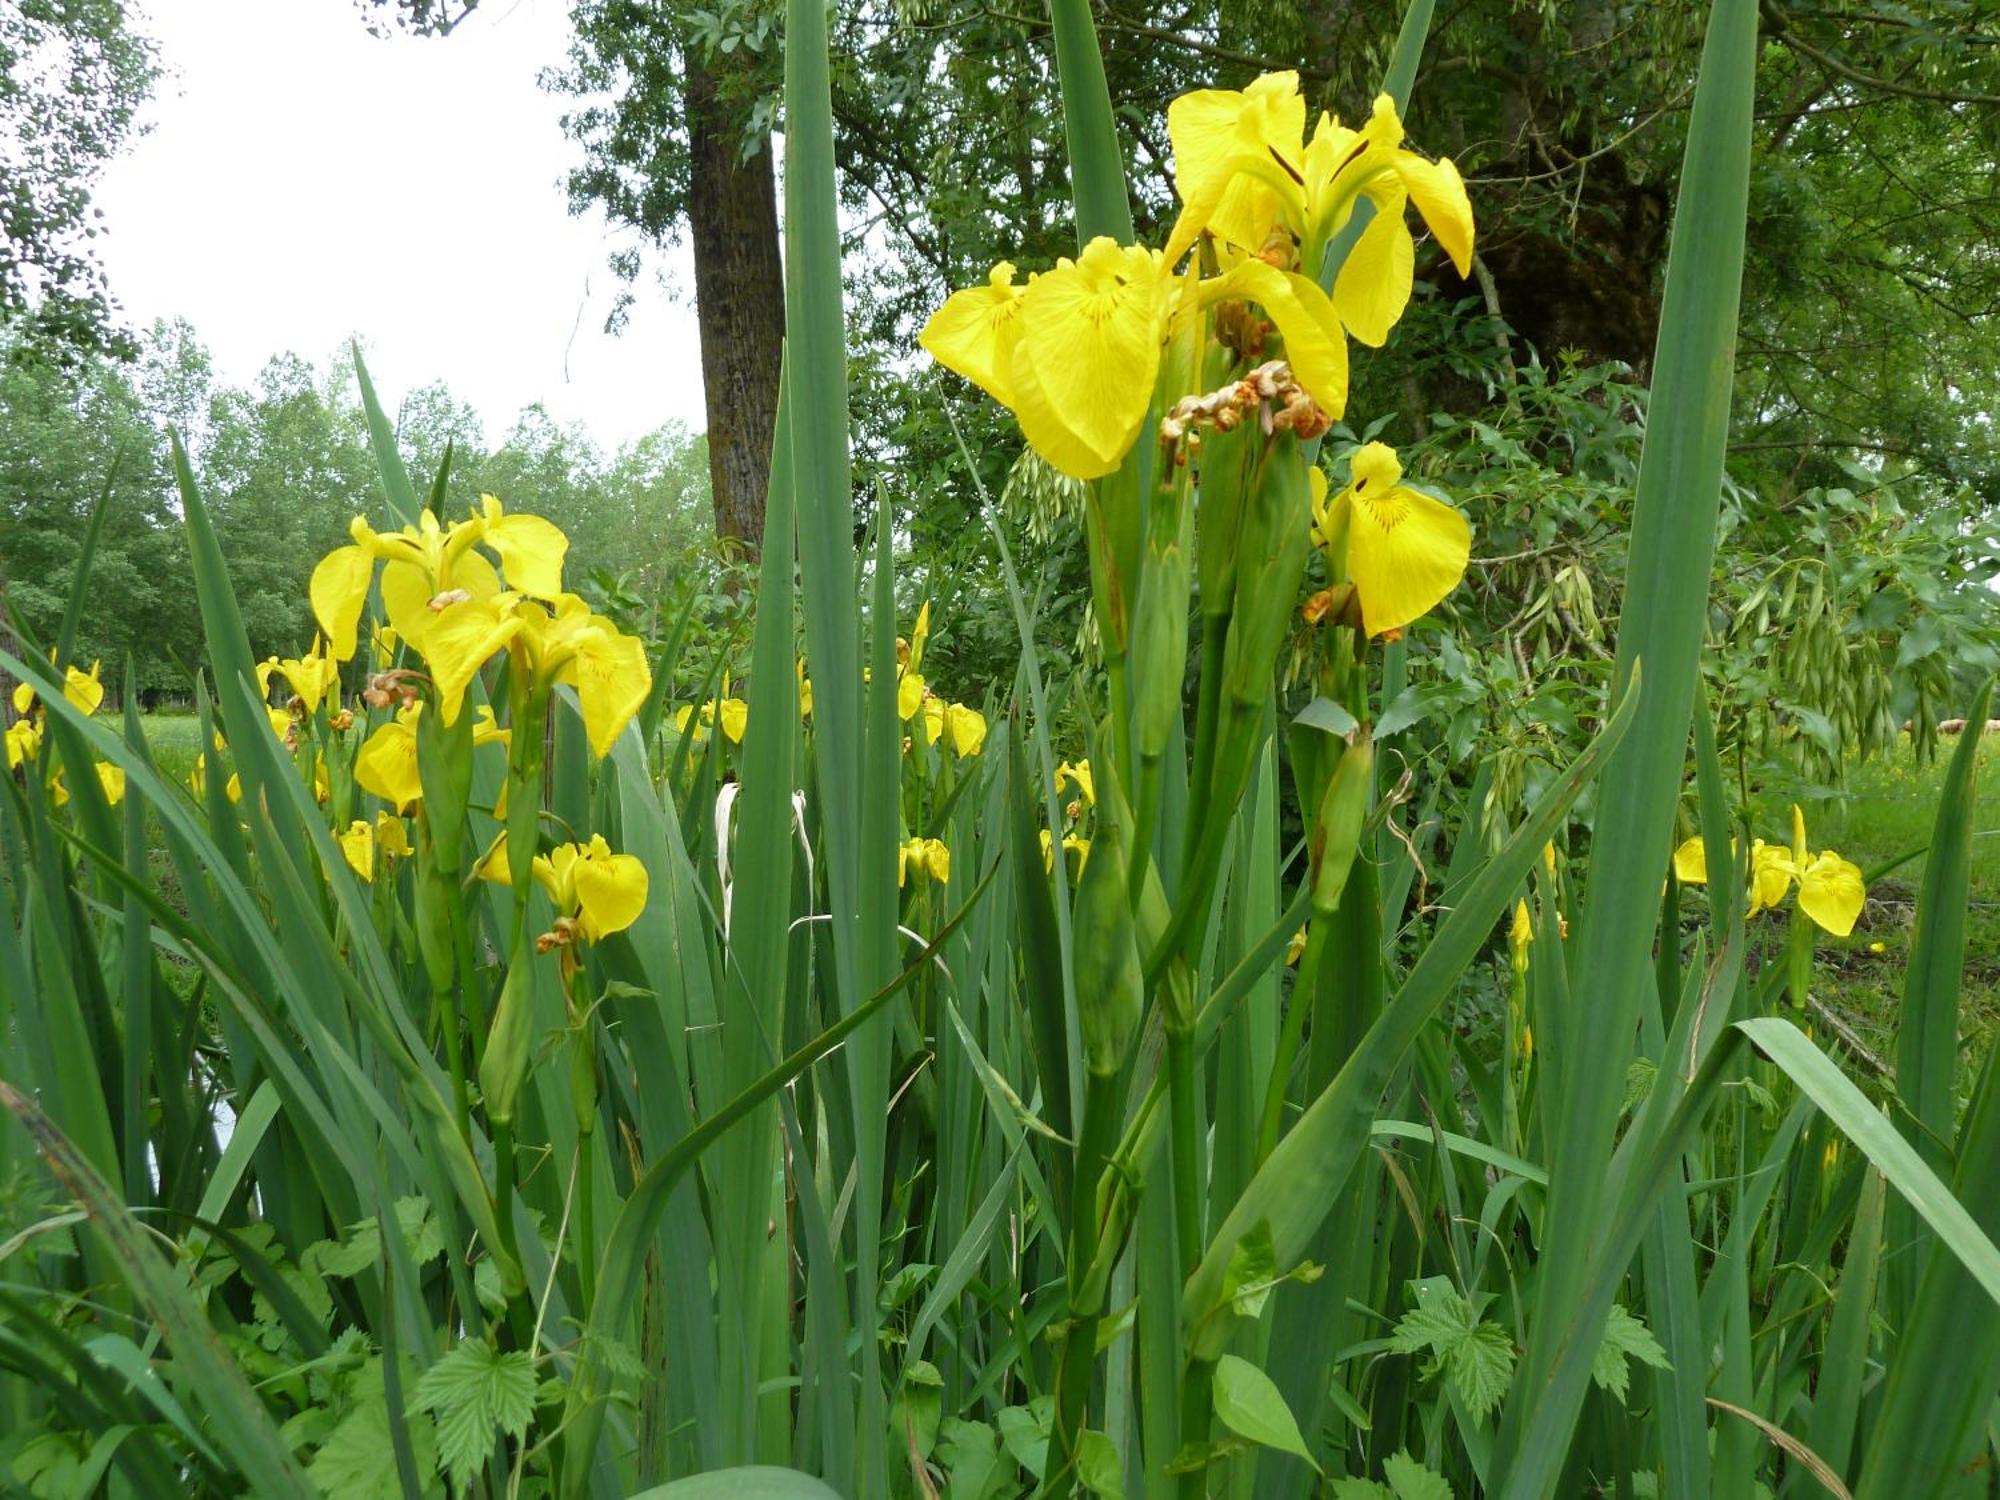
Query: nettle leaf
{"points": [[361, 1249], [1639, 1076], [1251, 1406], [357, 1460], [1626, 1338], [1476, 1356], [1408, 1480], [474, 1390]]}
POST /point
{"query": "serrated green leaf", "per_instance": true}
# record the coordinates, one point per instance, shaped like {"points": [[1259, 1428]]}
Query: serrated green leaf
{"points": [[474, 1390], [1639, 1076], [1626, 1338], [1361, 1489], [1476, 1356], [357, 1460], [1250, 1405], [1410, 1480]]}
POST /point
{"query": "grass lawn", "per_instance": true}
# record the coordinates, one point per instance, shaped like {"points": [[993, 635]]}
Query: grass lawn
{"points": [[1886, 811], [175, 740]]}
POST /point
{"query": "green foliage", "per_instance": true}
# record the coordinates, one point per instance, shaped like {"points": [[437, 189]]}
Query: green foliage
{"points": [[1472, 1353], [72, 79], [809, 1162], [476, 1393]]}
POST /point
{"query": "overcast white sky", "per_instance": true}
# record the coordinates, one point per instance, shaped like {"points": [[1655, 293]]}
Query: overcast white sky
{"points": [[304, 182]]}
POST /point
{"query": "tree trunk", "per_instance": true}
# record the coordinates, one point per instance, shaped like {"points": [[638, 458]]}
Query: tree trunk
{"points": [[739, 291]]}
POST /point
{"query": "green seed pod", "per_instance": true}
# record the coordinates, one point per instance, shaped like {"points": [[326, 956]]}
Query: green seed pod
{"points": [[1160, 651], [1110, 978], [505, 1064], [437, 892], [1343, 808], [444, 765]]}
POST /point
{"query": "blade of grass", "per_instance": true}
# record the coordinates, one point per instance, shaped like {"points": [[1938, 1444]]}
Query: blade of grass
{"points": [[1927, 1025], [1665, 613]]}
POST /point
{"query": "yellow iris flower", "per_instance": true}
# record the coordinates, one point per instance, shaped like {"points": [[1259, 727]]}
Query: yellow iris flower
{"points": [[83, 689], [964, 728], [357, 845], [734, 714], [311, 677], [24, 742], [1073, 843], [427, 567], [595, 892], [1404, 549], [1075, 352], [927, 858], [391, 837], [112, 779], [1079, 774], [1247, 175], [1831, 890]]}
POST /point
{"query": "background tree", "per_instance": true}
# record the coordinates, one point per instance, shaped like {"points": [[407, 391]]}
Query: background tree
{"points": [[73, 74]]}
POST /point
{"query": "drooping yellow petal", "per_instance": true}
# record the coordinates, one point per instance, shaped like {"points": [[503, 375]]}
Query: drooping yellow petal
{"points": [[1405, 550], [974, 333], [1771, 870], [933, 719], [1691, 862], [310, 677], [966, 728], [24, 697], [1315, 346], [486, 728], [555, 873], [357, 843], [735, 716], [386, 765], [909, 694], [927, 858], [339, 591], [1831, 892], [530, 548], [1439, 194], [83, 689], [112, 779], [1374, 284], [493, 866], [610, 890], [461, 640], [392, 837], [413, 601], [612, 682], [1088, 355], [1078, 773]]}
